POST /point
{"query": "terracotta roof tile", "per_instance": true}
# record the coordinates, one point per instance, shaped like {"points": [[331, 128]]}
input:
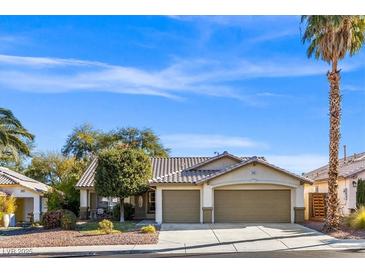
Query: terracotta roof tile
{"points": [[353, 165]]}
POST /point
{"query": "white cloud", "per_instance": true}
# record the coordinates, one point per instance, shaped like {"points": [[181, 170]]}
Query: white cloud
{"points": [[243, 21], [353, 88], [298, 163], [197, 76], [274, 35], [208, 141]]}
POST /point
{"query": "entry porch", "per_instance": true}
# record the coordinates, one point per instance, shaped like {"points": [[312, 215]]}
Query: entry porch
{"points": [[93, 206]]}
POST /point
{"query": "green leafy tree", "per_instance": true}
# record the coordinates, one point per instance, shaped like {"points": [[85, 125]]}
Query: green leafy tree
{"points": [[85, 141], [62, 173], [82, 142], [122, 173], [332, 38], [15, 140], [144, 139]]}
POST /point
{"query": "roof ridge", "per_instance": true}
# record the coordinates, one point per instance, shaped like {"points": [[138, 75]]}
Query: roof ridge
{"points": [[22, 177], [251, 160], [166, 175], [180, 157], [8, 177]]}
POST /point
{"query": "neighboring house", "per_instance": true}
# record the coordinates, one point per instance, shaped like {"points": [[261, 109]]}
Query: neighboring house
{"points": [[28, 193], [351, 169], [224, 188]]}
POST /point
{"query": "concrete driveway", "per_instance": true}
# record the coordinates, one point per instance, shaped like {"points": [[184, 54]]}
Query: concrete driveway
{"points": [[216, 238]]}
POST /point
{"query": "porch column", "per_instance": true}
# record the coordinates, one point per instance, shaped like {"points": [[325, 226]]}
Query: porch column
{"points": [[299, 208], [207, 203], [158, 213], [83, 203], [36, 208]]}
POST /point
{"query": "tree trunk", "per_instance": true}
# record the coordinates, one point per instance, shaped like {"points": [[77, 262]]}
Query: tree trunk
{"points": [[121, 210], [333, 215]]}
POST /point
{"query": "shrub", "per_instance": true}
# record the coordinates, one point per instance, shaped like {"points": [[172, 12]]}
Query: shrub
{"points": [[357, 219], [7, 204], [54, 200], [148, 229], [128, 212], [2, 202], [68, 220], [106, 226], [52, 219]]}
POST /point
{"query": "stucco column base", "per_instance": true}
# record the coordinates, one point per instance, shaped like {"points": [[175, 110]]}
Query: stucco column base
{"points": [[299, 214], [36, 216], [207, 215], [83, 213]]}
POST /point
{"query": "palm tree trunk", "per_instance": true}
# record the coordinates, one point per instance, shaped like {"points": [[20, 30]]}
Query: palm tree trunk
{"points": [[333, 215]]}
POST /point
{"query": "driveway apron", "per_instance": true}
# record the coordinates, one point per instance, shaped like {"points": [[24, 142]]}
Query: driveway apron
{"points": [[215, 238]]}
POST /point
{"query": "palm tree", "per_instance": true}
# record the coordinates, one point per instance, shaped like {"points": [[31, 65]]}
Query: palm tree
{"points": [[13, 136], [331, 38]]}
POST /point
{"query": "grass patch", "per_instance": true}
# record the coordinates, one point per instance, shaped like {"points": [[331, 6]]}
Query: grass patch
{"points": [[92, 227]]}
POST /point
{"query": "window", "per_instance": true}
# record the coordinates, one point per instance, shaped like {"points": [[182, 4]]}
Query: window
{"points": [[151, 202]]}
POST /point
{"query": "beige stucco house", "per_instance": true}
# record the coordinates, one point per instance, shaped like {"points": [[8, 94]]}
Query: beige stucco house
{"points": [[223, 188], [351, 169], [28, 193]]}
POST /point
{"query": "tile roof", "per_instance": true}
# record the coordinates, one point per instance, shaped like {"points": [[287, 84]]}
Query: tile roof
{"points": [[181, 170], [252, 160], [162, 169], [10, 177], [353, 165], [87, 179]]}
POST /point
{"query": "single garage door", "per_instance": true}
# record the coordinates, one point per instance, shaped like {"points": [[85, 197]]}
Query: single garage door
{"points": [[181, 206], [252, 206]]}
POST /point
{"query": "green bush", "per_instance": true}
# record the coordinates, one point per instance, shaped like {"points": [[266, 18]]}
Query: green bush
{"points": [[128, 212], [148, 229], [54, 200], [106, 226], [357, 219], [52, 219], [68, 220]]}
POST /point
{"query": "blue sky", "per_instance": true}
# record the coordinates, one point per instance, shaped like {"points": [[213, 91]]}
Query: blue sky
{"points": [[203, 84]]}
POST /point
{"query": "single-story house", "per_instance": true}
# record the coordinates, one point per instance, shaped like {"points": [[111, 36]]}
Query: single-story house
{"points": [[351, 170], [28, 193], [223, 188]]}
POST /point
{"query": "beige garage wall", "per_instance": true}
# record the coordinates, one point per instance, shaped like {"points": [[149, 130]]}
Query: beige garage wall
{"points": [[256, 174], [247, 177], [251, 186]]}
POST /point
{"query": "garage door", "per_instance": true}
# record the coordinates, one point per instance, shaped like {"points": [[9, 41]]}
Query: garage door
{"points": [[252, 206], [181, 206]]}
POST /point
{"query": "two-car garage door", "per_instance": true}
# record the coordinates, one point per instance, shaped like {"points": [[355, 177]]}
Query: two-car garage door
{"points": [[183, 206], [251, 206]]}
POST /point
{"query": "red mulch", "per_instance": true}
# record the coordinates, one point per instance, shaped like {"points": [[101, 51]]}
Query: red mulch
{"points": [[344, 232], [58, 237]]}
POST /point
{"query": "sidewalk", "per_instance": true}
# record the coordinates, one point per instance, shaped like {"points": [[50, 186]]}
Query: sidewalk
{"points": [[171, 249]]}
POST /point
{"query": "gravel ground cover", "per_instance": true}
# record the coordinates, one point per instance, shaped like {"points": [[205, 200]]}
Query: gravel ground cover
{"points": [[85, 234], [344, 232]]}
